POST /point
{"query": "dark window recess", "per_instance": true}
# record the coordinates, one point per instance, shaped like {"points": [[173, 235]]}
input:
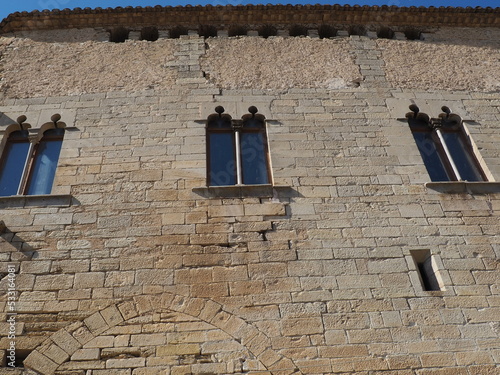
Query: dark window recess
{"points": [[326, 31], [297, 30], [444, 146], [385, 33], [177, 31], [266, 31], [207, 31], [237, 151], [118, 35], [412, 33], [21, 355], [149, 33], [237, 31], [357, 30], [16, 360], [427, 272]]}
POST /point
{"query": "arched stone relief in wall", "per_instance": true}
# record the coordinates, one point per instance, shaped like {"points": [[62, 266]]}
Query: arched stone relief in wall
{"points": [[163, 332]]}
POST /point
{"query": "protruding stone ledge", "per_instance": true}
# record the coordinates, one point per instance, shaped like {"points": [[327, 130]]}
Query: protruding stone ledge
{"points": [[23, 201], [241, 191], [464, 187]]}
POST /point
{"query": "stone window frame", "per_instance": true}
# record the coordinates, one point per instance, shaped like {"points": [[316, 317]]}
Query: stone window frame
{"points": [[237, 128], [415, 118], [35, 136], [437, 128], [413, 257]]}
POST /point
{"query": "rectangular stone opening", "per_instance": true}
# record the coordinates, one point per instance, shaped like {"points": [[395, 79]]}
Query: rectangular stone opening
{"points": [[427, 270], [13, 358]]}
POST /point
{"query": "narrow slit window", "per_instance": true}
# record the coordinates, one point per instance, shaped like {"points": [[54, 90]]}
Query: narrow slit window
{"points": [[427, 270]]}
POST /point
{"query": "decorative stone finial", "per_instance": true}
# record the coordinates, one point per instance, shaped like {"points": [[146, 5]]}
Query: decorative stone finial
{"points": [[253, 110], [414, 108], [55, 118], [21, 119], [219, 109]]}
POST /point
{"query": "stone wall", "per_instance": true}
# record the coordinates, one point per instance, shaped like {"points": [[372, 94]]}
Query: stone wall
{"points": [[71, 66], [133, 266]]}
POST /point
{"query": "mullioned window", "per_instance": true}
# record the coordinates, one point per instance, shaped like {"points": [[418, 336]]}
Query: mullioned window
{"points": [[237, 150], [28, 162]]}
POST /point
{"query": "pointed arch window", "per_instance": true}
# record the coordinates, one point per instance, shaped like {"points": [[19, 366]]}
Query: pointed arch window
{"points": [[237, 150], [28, 163]]}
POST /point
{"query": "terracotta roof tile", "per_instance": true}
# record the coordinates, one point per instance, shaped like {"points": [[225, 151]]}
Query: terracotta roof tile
{"points": [[279, 15]]}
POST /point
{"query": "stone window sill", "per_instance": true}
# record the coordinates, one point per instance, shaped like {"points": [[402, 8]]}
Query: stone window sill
{"points": [[461, 187], [23, 201], [240, 191]]}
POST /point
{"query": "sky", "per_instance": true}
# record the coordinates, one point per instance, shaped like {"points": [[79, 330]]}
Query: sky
{"points": [[11, 6]]}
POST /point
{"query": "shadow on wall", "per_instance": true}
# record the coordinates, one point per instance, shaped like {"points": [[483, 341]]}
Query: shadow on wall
{"points": [[481, 37], [6, 120], [64, 35], [11, 242]]}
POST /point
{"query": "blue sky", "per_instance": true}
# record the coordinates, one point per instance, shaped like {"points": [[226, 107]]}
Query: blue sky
{"points": [[9, 6]]}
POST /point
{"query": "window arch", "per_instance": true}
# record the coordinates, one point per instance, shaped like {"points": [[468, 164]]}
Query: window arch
{"points": [[237, 150], [28, 163]]}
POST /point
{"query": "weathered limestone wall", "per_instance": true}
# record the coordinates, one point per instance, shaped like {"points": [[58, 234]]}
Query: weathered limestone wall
{"points": [[280, 63], [147, 270], [441, 66], [34, 68]]}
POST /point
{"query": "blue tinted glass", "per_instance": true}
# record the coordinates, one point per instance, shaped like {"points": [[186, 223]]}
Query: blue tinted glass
{"points": [[430, 156], [15, 155], [44, 167], [220, 122], [253, 123], [222, 159], [253, 158], [464, 162]]}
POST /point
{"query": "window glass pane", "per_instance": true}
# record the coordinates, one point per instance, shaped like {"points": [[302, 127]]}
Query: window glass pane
{"points": [[222, 159], [464, 162], [220, 122], [430, 156], [44, 165], [253, 123], [253, 158], [14, 159]]}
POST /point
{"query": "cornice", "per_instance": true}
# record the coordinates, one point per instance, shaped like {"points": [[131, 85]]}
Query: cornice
{"points": [[278, 15]]}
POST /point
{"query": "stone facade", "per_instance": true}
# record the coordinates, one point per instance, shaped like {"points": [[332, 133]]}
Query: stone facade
{"points": [[134, 266]]}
